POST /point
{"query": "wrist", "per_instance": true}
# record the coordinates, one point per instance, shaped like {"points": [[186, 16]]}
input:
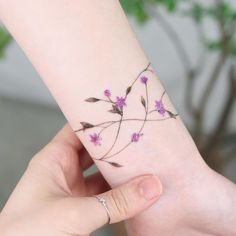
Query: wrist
{"points": [[6, 226], [226, 195], [2, 228]]}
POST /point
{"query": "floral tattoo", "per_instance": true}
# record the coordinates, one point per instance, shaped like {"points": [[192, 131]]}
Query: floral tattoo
{"points": [[118, 105]]}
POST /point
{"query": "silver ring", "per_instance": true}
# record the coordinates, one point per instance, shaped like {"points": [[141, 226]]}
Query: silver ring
{"points": [[104, 203]]}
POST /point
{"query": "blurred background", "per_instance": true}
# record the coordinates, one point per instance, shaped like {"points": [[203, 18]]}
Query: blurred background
{"points": [[192, 46]]}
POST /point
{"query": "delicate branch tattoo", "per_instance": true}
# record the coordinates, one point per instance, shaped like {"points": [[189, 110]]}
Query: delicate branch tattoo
{"points": [[117, 108]]}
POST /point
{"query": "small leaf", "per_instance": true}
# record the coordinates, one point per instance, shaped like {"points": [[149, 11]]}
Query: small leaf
{"points": [[115, 110], [143, 101], [233, 48], [86, 125], [197, 12], [216, 45], [5, 40], [115, 164], [92, 99], [128, 90], [171, 114], [136, 8], [171, 5]]}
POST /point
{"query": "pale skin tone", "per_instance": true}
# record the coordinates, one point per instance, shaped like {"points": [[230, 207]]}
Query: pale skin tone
{"points": [[54, 198], [81, 48]]}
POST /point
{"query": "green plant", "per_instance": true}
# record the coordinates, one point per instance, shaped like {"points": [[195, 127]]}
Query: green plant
{"points": [[5, 40], [223, 14]]}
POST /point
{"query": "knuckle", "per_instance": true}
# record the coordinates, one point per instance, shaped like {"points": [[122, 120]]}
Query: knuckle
{"points": [[33, 162], [73, 219], [119, 203], [73, 216]]}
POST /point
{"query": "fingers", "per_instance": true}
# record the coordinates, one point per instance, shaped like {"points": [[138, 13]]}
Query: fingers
{"points": [[85, 215], [129, 199], [96, 184], [68, 137], [85, 159]]}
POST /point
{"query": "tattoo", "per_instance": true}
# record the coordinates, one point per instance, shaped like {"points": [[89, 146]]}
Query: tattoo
{"points": [[118, 106]]}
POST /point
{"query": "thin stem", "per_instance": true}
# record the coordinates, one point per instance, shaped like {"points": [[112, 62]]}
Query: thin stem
{"points": [[128, 144], [224, 117], [108, 124], [120, 122], [108, 101], [140, 130], [147, 105], [104, 128], [195, 72], [208, 90], [152, 111], [122, 149], [146, 110], [98, 125], [111, 100], [162, 95], [150, 120], [124, 120], [108, 162], [116, 138], [144, 70], [144, 121]]}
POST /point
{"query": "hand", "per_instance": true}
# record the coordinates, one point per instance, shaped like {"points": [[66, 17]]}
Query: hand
{"points": [[196, 201], [53, 197]]}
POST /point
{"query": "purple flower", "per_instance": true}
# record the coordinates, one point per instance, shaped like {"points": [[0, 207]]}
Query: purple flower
{"points": [[120, 102], [135, 137], [160, 107], [95, 139], [144, 79], [107, 93]]}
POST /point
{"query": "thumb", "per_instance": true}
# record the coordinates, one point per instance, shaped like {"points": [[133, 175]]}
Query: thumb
{"points": [[122, 203]]}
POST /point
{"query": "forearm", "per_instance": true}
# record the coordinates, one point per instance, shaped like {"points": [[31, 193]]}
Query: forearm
{"points": [[81, 48]]}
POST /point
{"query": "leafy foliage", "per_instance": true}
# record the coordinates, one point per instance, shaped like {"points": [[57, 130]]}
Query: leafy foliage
{"points": [[136, 8], [214, 45], [196, 11], [222, 12], [170, 5], [233, 47], [5, 40]]}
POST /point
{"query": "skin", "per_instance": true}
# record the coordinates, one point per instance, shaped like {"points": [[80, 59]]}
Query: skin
{"points": [[197, 201], [53, 197], [88, 46]]}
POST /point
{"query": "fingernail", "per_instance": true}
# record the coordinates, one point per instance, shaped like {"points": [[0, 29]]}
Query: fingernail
{"points": [[150, 188]]}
